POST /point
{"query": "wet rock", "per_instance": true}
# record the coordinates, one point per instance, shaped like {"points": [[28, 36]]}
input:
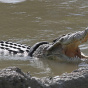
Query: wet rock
{"points": [[75, 79], [13, 77]]}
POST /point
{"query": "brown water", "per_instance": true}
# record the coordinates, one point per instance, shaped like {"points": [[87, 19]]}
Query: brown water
{"points": [[31, 21]]}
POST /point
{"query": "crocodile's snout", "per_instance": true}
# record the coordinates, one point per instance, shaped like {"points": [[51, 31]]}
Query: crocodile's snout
{"points": [[68, 44]]}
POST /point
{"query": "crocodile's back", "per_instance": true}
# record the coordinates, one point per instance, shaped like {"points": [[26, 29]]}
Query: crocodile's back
{"points": [[9, 48]]}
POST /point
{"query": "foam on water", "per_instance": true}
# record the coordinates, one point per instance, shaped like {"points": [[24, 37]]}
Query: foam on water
{"points": [[15, 58]]}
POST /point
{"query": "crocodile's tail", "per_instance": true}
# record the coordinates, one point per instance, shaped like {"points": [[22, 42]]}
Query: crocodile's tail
{"points": [[9, 48]]}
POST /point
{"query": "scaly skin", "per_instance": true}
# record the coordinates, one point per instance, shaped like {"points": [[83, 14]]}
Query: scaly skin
{"points": [[63, 48]]}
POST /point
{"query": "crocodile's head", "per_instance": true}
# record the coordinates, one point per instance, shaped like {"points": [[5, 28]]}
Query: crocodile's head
{"points": [[66, 46]]}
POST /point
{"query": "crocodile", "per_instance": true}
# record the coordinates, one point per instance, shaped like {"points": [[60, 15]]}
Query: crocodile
{"points": [[65, 47]]}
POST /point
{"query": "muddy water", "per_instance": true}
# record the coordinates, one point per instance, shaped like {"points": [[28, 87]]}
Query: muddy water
{"points": [[31, 21]]}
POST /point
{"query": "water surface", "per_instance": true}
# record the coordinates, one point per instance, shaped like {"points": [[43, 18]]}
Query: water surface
{"points": [[31, 21]]}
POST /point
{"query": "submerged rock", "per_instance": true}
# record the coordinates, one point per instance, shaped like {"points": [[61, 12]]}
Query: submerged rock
{"points": [[13, 77]]}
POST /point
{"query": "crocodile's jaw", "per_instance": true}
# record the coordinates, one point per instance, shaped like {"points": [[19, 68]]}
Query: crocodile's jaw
{"points": [[72, 50], [69, 52], [69, 44]]}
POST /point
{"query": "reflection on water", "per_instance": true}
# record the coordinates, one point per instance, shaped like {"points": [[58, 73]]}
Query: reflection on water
{"points": [[41, 20]]}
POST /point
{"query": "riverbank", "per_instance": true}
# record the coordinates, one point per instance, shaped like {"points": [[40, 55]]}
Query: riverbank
{"points": [[13, 77]]}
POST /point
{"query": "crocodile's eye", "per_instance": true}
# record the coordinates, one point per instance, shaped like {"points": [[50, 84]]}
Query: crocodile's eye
{"points": [[62, 39]]}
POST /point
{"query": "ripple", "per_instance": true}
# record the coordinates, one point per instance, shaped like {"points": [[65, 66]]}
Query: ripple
{"points": [[76, 14], [12, 1], [83, 7]]}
